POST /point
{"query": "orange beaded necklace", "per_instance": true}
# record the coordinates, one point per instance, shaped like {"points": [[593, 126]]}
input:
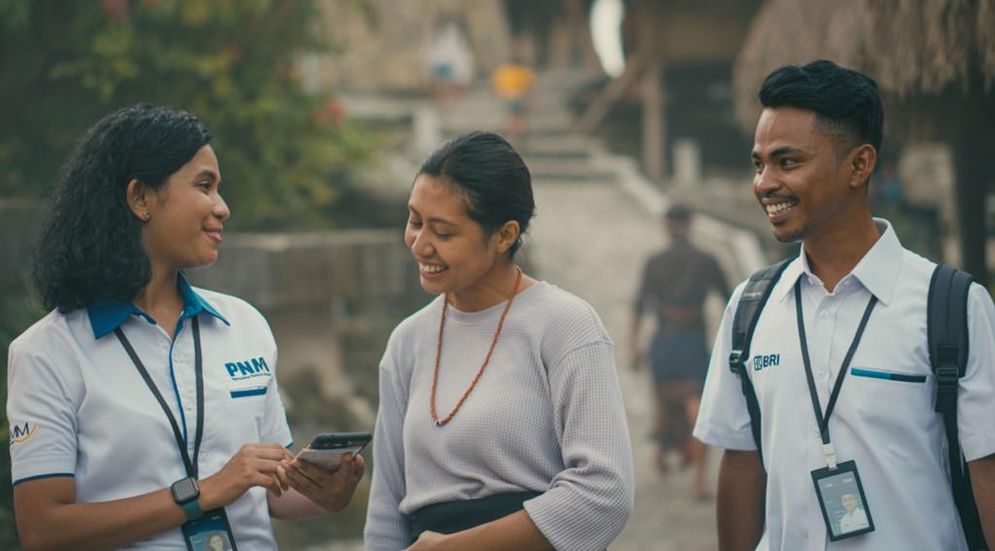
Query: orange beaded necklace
{"points": [[490, 352]]}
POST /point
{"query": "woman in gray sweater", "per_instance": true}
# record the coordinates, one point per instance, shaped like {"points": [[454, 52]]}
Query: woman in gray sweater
{"points": [[501, 423]]}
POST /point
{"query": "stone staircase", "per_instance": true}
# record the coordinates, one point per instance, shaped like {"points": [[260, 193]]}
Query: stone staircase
{"points": [[552, 151], [555, 154]]}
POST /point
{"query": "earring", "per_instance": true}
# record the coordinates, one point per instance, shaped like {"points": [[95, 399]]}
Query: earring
{"points": [[146, 215]]}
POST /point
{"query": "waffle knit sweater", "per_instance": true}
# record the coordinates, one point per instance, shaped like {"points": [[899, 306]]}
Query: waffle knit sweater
{"points": [[546, 416]]}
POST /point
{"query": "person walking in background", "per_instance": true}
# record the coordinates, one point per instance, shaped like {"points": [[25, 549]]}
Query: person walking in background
{"points": [[674, 285], [129, 429], [450, 61], [513, 81], [501, 423], [839, 365]]}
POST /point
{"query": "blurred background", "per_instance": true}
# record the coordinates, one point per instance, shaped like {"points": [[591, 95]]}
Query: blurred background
{"points": [[323, 109]]}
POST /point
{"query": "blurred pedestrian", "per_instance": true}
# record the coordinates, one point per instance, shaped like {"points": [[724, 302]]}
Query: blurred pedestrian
{"points": [[674, 286], [513, 81], [113, 393], [450, 61], [501, 422], [838, 366]]}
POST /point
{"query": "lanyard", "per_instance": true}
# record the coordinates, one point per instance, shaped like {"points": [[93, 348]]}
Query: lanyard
{"points": [[188, 464], [823, 419]]}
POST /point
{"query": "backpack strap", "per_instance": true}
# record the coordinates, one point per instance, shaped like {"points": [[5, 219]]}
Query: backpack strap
{"points": [[947, 330], [751, 303]]}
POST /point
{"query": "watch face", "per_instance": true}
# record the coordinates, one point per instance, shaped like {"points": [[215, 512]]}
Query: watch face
{"points": [[185, 490]]}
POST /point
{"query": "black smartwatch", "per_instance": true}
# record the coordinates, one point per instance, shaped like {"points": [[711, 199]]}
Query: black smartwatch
{"points": [[185, 493]]}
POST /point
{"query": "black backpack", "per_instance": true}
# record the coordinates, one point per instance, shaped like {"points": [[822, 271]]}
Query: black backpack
{"points": [[946, 314]]}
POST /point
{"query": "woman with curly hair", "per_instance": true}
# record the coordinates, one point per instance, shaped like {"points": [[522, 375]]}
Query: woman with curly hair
{"points": [[144, 411]]}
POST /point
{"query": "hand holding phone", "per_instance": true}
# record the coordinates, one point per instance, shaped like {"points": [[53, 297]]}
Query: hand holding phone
{"points": [[326, 450]]}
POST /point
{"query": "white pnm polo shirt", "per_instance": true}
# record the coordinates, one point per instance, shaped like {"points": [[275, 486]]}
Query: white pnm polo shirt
{"points": [[888, 427], [78, 407]]}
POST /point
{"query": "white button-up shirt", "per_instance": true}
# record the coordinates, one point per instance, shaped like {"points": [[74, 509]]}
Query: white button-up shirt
{"points": [[886, 425], [78, 407]]}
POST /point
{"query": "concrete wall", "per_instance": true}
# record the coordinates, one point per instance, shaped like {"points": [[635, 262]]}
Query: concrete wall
{"points": [[355, 270]]}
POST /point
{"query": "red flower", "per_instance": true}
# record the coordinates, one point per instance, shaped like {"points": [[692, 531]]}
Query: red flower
{"points": [[116, 10], [332, 113]]}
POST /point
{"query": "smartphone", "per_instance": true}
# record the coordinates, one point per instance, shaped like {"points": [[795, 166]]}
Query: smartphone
{"points": [[326, 450]]}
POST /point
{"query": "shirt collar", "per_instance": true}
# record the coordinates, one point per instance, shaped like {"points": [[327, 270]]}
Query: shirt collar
{"points": [[797, 268], [193, 303], [108, 314], [877, 271]]}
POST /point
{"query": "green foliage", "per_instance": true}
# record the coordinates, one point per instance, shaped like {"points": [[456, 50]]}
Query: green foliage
{"points": [[284, 151]]}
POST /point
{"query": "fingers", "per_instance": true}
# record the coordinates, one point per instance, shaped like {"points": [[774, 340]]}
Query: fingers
{"points": [[359, 466], [258, 465], [302, 482], [331, 490], [313, 471], [347, 474], [281, 476], [265, 481], [274, 452], [264, 457], [275, 488]]}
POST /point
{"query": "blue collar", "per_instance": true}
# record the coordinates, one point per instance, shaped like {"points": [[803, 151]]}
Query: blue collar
{"points": [[108, 314]]}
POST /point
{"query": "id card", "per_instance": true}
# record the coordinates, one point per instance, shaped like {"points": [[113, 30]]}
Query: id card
{"points": [[841, 498], [210, 532]]}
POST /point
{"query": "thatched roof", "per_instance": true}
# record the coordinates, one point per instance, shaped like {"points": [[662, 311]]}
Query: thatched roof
{"points": [[910, 47]]}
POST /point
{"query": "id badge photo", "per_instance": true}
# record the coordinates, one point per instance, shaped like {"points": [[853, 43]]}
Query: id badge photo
{"points": [[841, 498], [210, 532]]}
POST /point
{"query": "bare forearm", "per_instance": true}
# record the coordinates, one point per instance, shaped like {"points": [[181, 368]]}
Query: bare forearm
{"points": [[983, 485], [49, 517], [292, 505], [515, 531], [107, 525], [740, 503]]}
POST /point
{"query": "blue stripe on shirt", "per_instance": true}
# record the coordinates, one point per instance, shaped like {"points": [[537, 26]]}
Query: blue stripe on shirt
{"points": [[248, 392], [887, 375]]}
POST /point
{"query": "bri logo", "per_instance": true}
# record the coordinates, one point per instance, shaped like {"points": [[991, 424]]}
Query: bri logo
{"points": [[20, 434], [763, 361], [256, 367]]}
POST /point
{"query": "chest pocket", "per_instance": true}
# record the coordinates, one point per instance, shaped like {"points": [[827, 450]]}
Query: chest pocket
{"points": [[245, 386], [894, 395], [235, 408], [247, 379]]}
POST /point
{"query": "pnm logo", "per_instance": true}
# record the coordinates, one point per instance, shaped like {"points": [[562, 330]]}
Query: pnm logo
{"points": [[256, 367], [763, 361], [20, 434]]}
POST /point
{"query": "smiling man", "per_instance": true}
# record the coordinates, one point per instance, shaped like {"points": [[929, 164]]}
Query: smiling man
{"points": [[852, 306]]}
